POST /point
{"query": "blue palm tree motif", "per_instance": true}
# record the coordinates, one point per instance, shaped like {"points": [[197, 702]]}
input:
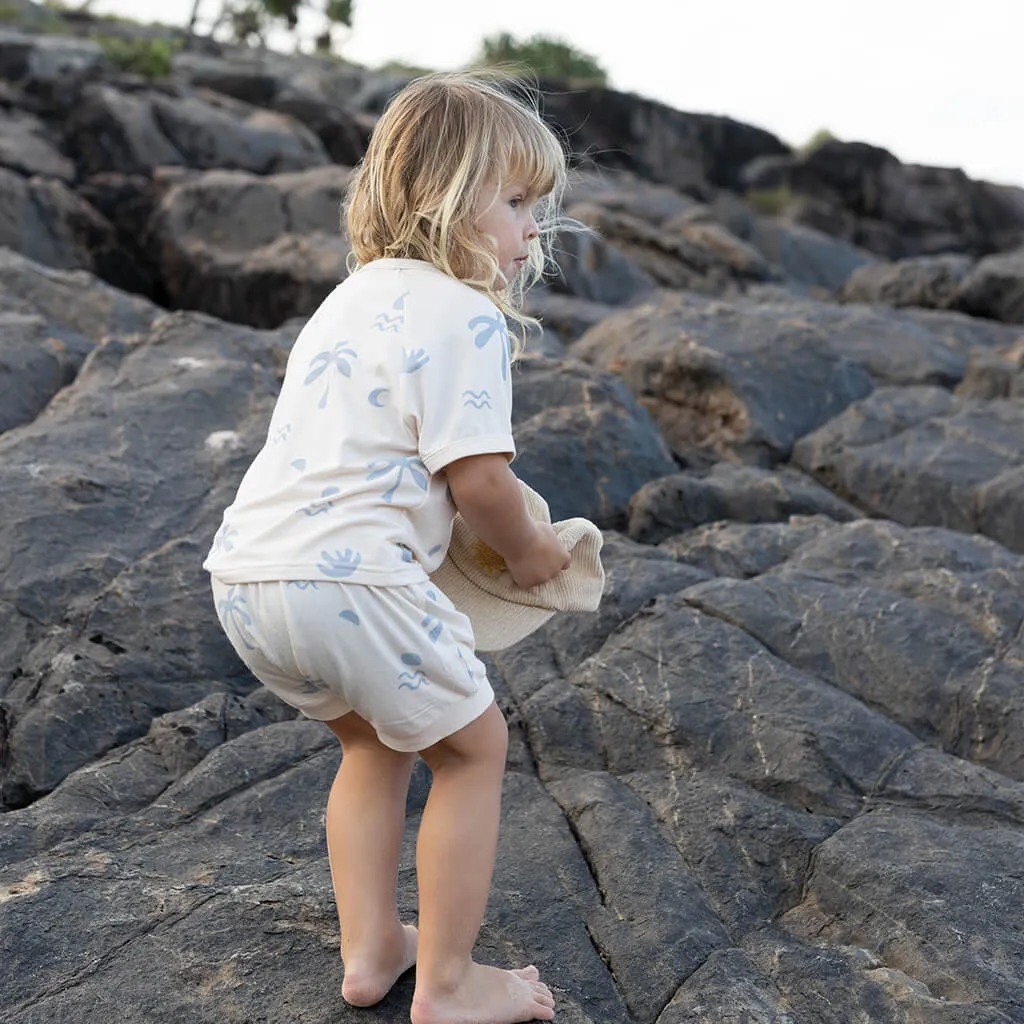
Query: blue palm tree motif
{"points": [[349, 616], [433, 551], [324, 504], [322, 361], [413, 359], [489, 326], [477, 399], [222, 540], [339, 564], [232, 612], [281, 434], [303, 584], [415, 467], [407, 555], [465, 664]]}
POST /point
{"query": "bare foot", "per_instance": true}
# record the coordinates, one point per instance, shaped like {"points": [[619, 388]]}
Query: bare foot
{"points": [[368, 979], [487, 995]]}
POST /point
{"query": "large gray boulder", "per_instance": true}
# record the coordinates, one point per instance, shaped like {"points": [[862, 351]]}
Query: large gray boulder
{"points": [[27, 146], [251, 249], [804, 256], [45, 221], [725, 379], [928, 281], [923, 456], [746, 494], [687, 151], [133, 133], [995, 288], [864, 195], [123, 515], [583, 440]]}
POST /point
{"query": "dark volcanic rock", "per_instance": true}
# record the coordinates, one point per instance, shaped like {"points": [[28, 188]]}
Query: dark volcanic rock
{"points": [[189, 406], [583, 441], [44, 220], [995, 288], [111, 130], [659, 143], [690, 255], [929, 281], [26, 147], [864, 194], [923, 935], [741, 493], [995, 374], [922, 456], [36, 361], [255, 250], [803, 255], [724, 378], [591, 268]]}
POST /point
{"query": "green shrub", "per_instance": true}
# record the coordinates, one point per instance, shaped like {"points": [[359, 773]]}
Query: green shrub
{"points": [[816, 141], [770, 201], [150, 58], [543, 57]]}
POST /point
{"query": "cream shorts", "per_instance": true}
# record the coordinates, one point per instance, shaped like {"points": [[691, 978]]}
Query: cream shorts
{"points": [[401, 657]]}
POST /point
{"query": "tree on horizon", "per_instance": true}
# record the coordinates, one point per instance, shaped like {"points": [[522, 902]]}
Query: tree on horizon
{"points": [[543, 56]]}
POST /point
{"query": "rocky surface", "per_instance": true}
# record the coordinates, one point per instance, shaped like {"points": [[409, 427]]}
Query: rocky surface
{"points": [[778, 778]]}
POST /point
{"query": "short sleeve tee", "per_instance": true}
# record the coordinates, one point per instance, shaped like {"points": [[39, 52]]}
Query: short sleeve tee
{"points": [[401, 371]]}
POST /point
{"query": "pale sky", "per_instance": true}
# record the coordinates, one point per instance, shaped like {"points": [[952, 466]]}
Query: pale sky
{"points": [[934, 81]]}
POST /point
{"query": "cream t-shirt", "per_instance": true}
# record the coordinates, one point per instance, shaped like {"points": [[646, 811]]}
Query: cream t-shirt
{"points": [[401, 370]]}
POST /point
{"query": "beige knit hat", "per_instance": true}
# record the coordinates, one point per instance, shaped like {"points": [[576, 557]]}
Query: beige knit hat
{"points": [[475, 579]]}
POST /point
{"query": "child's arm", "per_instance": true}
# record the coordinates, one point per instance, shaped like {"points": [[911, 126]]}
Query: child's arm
{"points": [[487, 494]]}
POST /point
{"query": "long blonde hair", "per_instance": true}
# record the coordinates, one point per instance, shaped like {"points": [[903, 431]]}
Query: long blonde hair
{"points": [[442, 144]]}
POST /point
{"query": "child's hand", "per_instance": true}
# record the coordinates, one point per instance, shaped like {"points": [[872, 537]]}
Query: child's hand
{"points": [[542, 560]]}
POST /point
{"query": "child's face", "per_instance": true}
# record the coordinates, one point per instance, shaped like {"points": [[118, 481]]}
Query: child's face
{"points": [[506, 223]]}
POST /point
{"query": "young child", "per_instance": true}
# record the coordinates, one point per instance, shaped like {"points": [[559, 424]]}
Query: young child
{"points": [[394, 412]]}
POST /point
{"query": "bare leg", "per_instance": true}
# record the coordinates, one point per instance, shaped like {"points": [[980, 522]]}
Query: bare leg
{"points": [[454, 860], [365, 822]]}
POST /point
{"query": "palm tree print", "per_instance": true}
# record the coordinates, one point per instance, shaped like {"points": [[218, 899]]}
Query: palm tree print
{"points": [[489, 326], [407, 463], [339, 564], [231, 610], [222, 542], [323, 361]]}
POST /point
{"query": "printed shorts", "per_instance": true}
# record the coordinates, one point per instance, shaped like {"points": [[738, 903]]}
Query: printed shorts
{"points": [[402, 657]]}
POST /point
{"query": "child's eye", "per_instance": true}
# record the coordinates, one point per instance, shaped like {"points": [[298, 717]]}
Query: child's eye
{"points": [[516, 201]]}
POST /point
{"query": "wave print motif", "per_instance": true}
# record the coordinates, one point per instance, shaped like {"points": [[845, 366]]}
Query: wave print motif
{"points": [[388, 324], [477, 399], [413, 680]]}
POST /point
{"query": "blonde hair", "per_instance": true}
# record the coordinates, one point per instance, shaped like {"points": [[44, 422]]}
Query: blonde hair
{"points": [[443, 143]]}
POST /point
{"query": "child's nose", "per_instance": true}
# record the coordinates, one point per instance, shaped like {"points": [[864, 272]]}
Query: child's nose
{"points": [[532, 230]]}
